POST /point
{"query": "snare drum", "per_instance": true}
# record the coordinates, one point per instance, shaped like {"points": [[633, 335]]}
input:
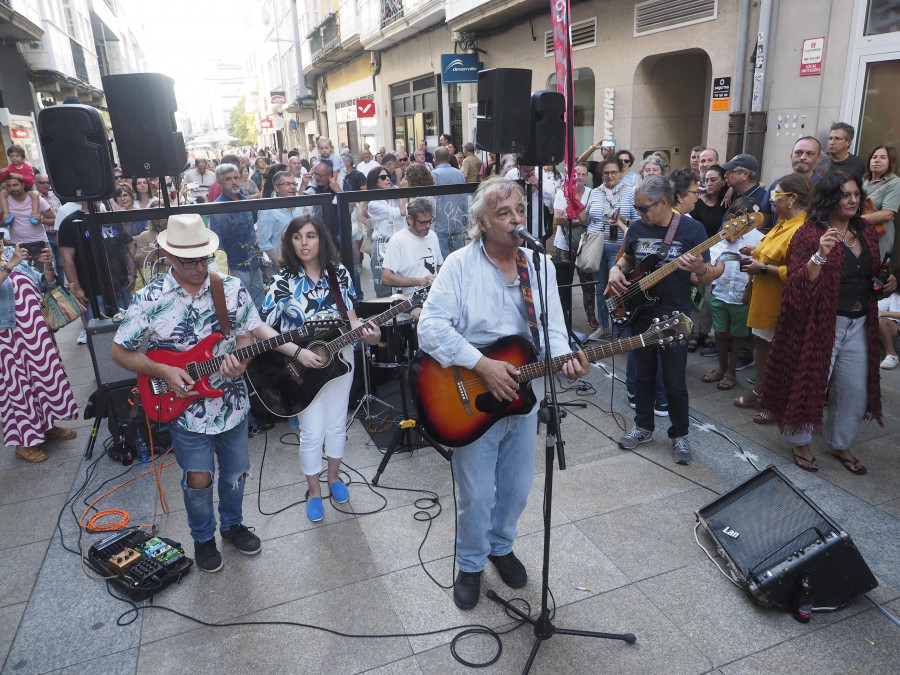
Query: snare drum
{"points": [[398, 343]]}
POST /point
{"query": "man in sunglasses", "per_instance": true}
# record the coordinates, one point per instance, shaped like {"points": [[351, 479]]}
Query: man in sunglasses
{"points": [[653, 200], [176, 312], [413, 255]]}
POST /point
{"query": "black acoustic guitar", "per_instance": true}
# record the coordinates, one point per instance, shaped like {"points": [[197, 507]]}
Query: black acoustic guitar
{"points": [[625, 308], [287, 388]]}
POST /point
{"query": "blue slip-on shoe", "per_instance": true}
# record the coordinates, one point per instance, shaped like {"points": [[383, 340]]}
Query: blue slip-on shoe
{"points": [[315, 510], [339, 492]]}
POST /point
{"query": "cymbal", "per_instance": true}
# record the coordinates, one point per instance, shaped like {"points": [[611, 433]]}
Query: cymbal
{"points": [[373, 306]]}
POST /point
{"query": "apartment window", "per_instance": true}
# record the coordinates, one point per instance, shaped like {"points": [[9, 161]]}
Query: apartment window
{"points": [[883, 17]]}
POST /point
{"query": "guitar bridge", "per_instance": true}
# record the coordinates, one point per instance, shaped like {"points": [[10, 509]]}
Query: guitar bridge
{"points": [[158, 387], [463, 392]]}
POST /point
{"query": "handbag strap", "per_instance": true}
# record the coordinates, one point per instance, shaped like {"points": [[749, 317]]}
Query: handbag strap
{"points": [[218, 293]]}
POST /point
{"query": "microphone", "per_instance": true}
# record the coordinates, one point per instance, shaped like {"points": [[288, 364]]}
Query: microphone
{"points": [[530, 240]]}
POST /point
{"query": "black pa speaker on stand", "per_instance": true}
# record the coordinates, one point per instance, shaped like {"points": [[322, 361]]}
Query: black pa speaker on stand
{"points": [[504, 117], [142, 112], [772, 536], [76, 150], [547, 128]]}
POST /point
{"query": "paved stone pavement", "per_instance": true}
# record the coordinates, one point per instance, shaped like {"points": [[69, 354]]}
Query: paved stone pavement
{"points": [[623, 557]]}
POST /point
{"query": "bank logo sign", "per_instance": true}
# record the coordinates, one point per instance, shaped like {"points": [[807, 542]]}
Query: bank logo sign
{"points": [[457, 68]]}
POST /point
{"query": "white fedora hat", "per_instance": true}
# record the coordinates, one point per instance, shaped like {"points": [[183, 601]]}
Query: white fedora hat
{"points": [[188, 237]]}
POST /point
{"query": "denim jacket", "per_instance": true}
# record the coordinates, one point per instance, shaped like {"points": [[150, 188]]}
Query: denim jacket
{"points": [[7, 292]]}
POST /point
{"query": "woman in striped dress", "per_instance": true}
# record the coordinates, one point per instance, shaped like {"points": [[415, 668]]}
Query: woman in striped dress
{"points": [[34, 389]]}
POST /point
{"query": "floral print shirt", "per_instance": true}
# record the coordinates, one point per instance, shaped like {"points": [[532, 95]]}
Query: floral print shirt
{"points": [[175, 320], [294, 298]]}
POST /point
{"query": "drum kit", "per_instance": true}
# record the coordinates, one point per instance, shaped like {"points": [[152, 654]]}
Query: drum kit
{"points": [[398, 345]]}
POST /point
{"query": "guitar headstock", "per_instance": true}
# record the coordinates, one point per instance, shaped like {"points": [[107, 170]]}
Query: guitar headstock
{"points": [[737, 226], [417, 299], [669, 330]]}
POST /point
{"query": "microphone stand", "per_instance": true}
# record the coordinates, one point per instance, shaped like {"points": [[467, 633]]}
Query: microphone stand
{"points": [[549, 414]]}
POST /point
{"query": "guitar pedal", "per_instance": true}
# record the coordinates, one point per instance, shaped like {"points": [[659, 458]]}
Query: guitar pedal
{"points": [[123, 560]]}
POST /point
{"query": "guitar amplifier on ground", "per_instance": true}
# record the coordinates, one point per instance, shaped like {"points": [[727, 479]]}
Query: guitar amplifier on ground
{"points": [[100, 334], [772, 535]]}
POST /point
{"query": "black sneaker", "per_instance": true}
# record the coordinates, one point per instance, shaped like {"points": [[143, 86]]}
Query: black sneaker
{"points": [[207, 556], [661, 409], [242, 539], [745, 362], [511, 569], [467, 589]]}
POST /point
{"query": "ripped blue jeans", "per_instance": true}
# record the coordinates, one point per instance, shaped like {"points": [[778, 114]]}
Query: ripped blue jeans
{"points": [[200, 453]]}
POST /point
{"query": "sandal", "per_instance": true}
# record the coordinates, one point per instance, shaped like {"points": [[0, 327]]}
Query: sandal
{"points": [[852, 464], [713, 376], [692, 347], [765, 417], [593, 323], [60, 434], [32, 455], [747, 401], [727, 383], [811, 465]]}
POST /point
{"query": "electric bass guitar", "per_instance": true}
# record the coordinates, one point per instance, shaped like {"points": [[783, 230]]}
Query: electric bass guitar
{"points": [[456, 407], [625, 308], [164, 405], [287, 388]]}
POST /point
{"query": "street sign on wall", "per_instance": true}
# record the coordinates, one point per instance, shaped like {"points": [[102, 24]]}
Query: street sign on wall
{"points": [[813, 54]]}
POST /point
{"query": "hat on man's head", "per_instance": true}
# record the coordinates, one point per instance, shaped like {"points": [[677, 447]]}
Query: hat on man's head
{"points": [[743, 162], [188, 237]]}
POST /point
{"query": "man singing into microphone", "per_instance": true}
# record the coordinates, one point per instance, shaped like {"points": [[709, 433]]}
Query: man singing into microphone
{"points": [[483, 293]]}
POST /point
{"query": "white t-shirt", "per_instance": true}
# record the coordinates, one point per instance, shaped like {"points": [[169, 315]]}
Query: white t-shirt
{"points": [[559, 204], [366, 167], [413, 257]]}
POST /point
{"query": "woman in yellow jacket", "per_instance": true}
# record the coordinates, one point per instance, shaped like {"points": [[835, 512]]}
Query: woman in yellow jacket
{"points": [[789, 198]]}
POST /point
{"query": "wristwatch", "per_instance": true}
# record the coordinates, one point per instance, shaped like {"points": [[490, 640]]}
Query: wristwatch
{"points": [[765, 268]]}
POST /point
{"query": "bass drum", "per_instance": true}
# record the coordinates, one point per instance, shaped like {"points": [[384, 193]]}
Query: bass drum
{"points": [[398, 342]]}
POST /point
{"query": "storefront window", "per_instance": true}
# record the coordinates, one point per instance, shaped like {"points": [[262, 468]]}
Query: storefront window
{"points": [[584, 87], [879, 122], [415, 105], [883, 17]]}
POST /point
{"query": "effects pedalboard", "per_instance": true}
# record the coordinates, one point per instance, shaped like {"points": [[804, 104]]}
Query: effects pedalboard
{"points": [[140, 564]]}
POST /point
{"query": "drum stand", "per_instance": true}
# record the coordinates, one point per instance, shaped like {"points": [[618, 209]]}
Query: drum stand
{"points": [[410, 436], [365, 403]]}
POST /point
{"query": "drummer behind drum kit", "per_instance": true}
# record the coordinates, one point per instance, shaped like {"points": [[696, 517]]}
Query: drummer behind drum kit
{"points": [[398, 345]]}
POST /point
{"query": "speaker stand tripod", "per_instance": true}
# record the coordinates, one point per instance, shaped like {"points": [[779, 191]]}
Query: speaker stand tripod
{"points": [[410, 436], [365, 403]]}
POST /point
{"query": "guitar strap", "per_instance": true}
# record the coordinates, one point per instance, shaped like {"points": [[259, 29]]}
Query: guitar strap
{"points": [[670, 237], [218, 293], [336, 290], [525, 283]]}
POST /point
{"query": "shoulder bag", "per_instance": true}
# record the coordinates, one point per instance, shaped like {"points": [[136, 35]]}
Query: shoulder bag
{"points": [[59, 308]]}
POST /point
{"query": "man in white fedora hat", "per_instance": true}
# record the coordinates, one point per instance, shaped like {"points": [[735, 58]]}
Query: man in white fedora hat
{"points": [[177, 311]]}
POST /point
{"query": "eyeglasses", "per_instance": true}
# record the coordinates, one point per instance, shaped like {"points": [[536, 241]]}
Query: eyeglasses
{"points": [[643, 209], [42, 182], [403, 159], [425, 222], [737, 169], [320, 175], [192, 264], [384, 176], [288, 183], [610, 173]]}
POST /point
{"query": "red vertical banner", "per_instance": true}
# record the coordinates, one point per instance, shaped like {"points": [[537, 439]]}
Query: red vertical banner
{"points": [[560, 20]]}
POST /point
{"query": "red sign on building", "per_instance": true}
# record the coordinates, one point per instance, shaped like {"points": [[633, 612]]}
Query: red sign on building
{"points": [[19, 133], [812, 56], [265, 124], [365, 108]]}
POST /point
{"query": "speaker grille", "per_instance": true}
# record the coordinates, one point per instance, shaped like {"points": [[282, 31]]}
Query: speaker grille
{"points": [[772, 522], [100, 340]]}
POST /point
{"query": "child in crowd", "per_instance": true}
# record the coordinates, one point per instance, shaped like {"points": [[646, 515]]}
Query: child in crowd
{"points": [[889, 329], [729, 313], [326, 149], [18, 165]]}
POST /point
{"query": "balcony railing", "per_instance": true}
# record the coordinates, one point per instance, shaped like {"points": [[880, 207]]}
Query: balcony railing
{"points": [[325, 38], [81, 71], [391, 10]]}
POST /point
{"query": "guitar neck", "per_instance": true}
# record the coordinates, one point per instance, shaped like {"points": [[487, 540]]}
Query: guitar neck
{"points": [[352, 336], [658, 275], [537, 369], [212, 365]]}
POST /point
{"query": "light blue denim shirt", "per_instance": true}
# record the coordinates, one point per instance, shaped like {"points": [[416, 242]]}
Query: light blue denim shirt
{"points": [[271, 225], [471, 306], [7, 293]]}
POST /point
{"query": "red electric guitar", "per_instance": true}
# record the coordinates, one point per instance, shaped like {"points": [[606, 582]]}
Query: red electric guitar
{"points": [[456, 407], [163, 405]]}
